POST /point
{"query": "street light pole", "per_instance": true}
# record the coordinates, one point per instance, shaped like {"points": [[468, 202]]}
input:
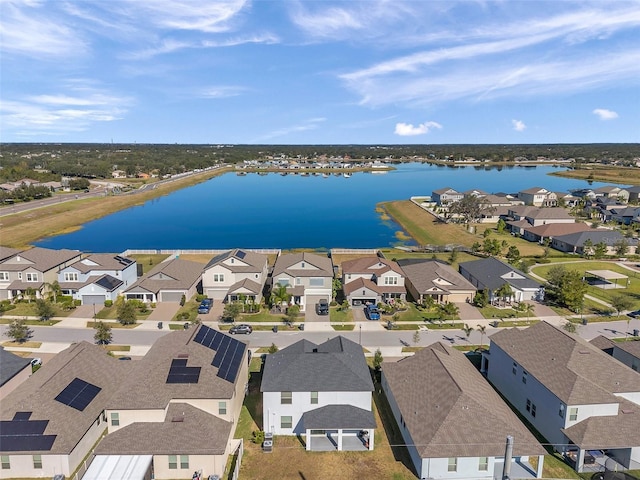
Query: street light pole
{"points": [[360, 342]]}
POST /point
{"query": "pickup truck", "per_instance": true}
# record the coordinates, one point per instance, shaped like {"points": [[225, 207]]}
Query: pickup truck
{"points": [[372, 312]]}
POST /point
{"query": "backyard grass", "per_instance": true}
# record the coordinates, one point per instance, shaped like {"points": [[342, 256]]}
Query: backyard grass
{"points": [[631, 290], [395, 254], [148, 261], [289, 460], [19, 230]]}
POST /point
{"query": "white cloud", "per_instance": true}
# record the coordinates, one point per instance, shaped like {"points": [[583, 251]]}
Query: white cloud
{"points": [[222, 91], [408, 130], [605, 114], [309, 124], [518, 125]]}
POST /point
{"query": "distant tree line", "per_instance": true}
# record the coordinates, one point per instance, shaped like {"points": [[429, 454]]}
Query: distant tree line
{"points": [[100, 160]]}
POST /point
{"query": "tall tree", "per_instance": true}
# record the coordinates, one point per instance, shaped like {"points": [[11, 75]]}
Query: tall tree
{"points": [[103, 335], [600, 250], [513, 255], [54, 289], [44, 309], [377, 359], [504, 292], [470, 209], [467, 331], [567, 287], [280, 296], [126, 312], [621, 303], [621, 247], [483, 330]]}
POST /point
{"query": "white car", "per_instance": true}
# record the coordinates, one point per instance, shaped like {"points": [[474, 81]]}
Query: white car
{"points": [[36, 362]]}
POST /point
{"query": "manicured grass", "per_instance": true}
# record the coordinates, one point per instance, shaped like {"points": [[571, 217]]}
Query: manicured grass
{"points": [[338, 315], [176, 326], [117, 348], [525, 247], [630, 338], [411, 349], [262, 316], [416, 314], [343, 328], [27, 344], [494, 312], [445, 326], [148, 261], [26, 309], [395, 254], [113, 325], [7, 321]]}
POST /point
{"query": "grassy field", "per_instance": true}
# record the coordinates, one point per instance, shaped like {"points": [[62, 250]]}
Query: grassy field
{"points": [[624, 175], [20, 230], [289, 460]]}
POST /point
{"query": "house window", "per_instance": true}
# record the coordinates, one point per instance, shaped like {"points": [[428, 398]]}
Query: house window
{"points": [[37, 462], [115, 419], [316, 282], [524, 376], [173, 462], [390, 280], [218, 277], [70, 276], [286, 421], [6, 464], [184, 461], [533, 409], [298, 281], [314, 398], [283, 281], [452, 465], [222, 408], [634, 364], [561, 411], [514, 368], [573, 414], [4, 276], [483, 464], [302, 265], [32, 277], [528, 405], [286, 398], [19, 275]]}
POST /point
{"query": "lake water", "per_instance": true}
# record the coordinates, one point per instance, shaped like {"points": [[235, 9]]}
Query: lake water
{"points": [[292, 211]]}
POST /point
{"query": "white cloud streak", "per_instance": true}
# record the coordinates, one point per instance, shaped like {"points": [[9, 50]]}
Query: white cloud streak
{"points": [[310, 124], [518, 125], [604, 114], [222, 91], [408, 130]]}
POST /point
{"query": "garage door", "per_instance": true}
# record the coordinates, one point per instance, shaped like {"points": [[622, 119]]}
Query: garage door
{"points": [[93, 299], [170, 296]]}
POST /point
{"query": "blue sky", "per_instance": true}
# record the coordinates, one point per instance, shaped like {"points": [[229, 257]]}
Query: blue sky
{"points": [[319, 72]]}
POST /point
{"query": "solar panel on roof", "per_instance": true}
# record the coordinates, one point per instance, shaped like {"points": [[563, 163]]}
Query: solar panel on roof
{"points": [[240, 254], [21, 443], [200, 335], [78, 394], [22, 415], [217, 339], [231, 360], [179, 362], [21, 427], [222, 351]]}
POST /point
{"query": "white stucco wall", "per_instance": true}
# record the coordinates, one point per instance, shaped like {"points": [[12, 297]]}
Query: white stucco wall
{"points": [[22, 467], [273, 410]]}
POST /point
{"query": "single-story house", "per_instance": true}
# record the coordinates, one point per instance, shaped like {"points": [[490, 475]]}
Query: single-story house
{"points": [[436, 279], [168, 281]]}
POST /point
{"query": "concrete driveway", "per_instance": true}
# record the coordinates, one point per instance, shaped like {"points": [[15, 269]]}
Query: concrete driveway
{"points": [[164, 311], [215, 314], [468, 312], [84, 311]]}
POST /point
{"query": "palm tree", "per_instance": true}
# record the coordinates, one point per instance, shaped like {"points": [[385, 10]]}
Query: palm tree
{"points": [[504, 292], [467, 330], [279, 295], [54, 289], [482, 329], [450, 310]]}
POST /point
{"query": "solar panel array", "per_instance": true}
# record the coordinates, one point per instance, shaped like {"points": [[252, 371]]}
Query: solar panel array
{"points": [[229, 351], [180, 373], [240, 254], [78, 394], [22, 434]]}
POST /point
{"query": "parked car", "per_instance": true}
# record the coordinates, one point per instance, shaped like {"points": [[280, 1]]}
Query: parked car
{"points": [[205, 306], [634, 314], [322, 307], [372, 312], [241, 328], [36, 361]]}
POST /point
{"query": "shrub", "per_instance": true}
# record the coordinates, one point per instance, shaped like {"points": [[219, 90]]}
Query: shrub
{"points": [[183, 300], [77, 303], [257, 437], [153, 305], [108, 303], [200, 297]]}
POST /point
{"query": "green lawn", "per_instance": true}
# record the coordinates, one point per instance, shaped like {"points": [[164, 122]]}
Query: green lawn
{"points": [[343, 328], [262, 316], [631, 290], [7, 321], [26, 309], [494, 312], [338, 315]]}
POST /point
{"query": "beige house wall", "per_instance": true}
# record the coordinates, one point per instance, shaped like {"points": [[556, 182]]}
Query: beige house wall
{"points": [[127, 417], [209, 464], [22, 467]]}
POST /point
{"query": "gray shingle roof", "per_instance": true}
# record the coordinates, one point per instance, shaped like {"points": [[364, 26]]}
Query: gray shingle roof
{"points": [[176, 274], [186, 430], [449, 408], [324, 265], [40, 259], [254, 260], [338, 416], [10, 365], [372, 265], [146, 388], [609, 237], [490, 273], [6, 252], [424, 275], [337, 365], [574, 370], [37, 395]]}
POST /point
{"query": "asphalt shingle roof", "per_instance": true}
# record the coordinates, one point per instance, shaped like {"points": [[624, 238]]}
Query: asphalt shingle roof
{"points": [[254, 260], [338, 416], [324, 265], [10, 365], [609, 237], [337, 365], [102, 261], [449, 408], [424, 275], [40, 259], [176, 274], [491, 273]]}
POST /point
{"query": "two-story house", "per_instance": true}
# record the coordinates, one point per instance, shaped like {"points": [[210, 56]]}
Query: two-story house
{"points": [[168, 282], [435, 279], [32, 270], [98, 277], [583, 401], [452, 421], [180, 404], [320, 392], [445, 196], [235, 273], [612, 191], [372, 280], [538, 197], [307, 276], [490, 274]]}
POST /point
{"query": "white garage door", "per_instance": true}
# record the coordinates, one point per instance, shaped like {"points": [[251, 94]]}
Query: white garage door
{"points": [[93, 299]]}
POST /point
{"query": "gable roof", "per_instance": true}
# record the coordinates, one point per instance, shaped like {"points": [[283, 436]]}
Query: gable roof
{"points": [[424, 275], [337, 365], [6, 252], [535, 190], [557, 229], [575, 371], [10, 365], [448, 190], [491, 273], [183, 432], [323, 264], [102, 261], [108, 282], [175, 273], [146, 386], [549, 213], [370, 265], [40, 259], [254, 261], [609, 237], [463, 416], [37, 396]]}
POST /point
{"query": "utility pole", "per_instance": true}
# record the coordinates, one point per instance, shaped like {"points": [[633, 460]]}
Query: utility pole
{"points": [[508, 453]]}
